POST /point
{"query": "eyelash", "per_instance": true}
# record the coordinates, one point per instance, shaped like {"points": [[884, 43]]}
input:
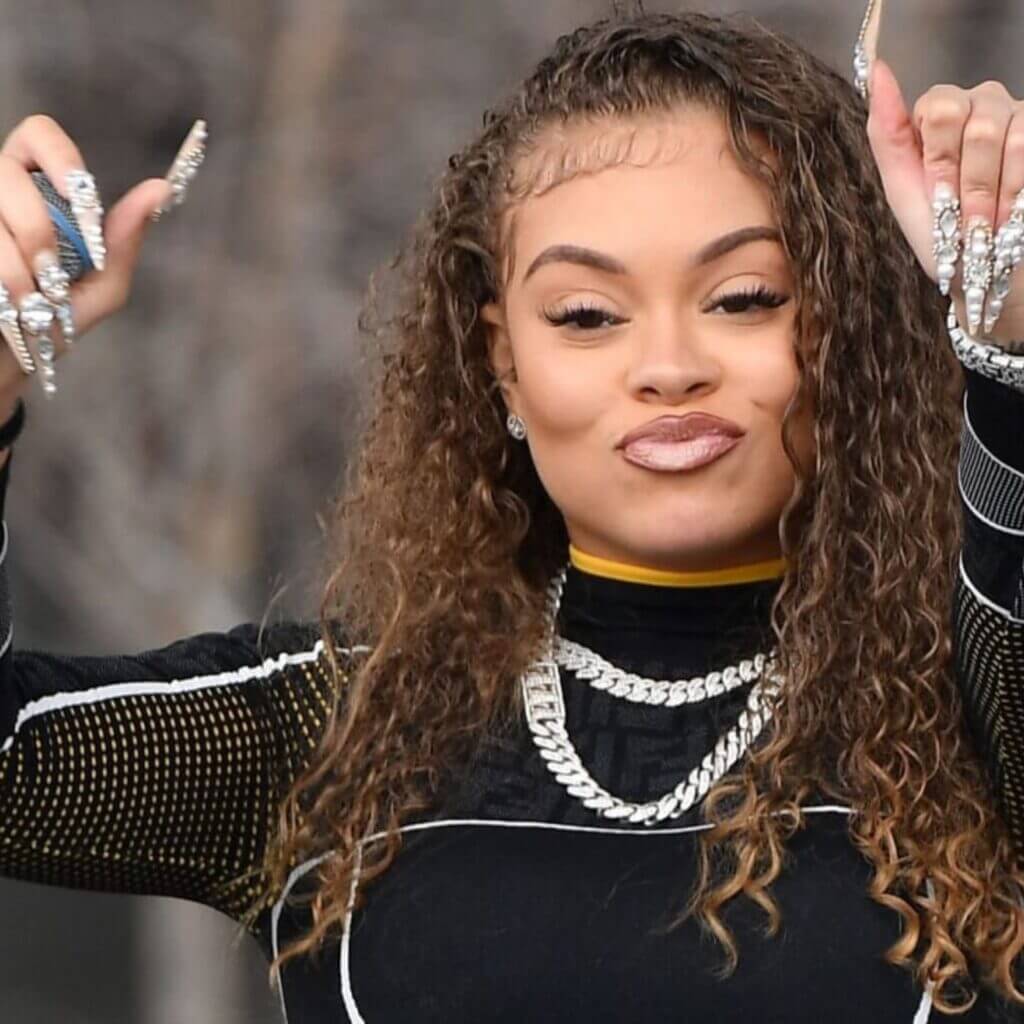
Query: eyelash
{"points": [[762, 296]]}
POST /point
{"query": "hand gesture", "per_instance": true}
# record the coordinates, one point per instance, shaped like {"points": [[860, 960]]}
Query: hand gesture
{"points": [[41, 311], [953, 173]]}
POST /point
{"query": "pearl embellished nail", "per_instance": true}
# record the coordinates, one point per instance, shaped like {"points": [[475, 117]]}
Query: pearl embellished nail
{"points": [[978, 260], [184, 168], [946, 234], [1008, 253]]}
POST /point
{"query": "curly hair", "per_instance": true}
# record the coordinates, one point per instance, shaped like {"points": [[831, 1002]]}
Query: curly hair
{"points": [[443, 539]]}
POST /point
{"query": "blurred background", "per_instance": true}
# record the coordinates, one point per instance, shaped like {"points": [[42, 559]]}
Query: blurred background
{"points": [[175, 483]]}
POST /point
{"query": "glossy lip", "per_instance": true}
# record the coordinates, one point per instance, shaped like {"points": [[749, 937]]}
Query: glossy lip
{"points": [[679, 456], [668, 429]]}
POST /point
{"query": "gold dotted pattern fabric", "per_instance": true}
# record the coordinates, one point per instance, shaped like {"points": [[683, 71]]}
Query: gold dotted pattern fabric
{"points": [[990, 670], [171, 792]]}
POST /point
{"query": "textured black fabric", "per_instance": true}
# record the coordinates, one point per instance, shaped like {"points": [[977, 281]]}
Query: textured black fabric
{"points": [[160, 772], [988, 610]]}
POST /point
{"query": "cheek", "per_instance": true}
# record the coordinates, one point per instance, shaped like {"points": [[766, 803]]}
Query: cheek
{"points": [[565, 391]]}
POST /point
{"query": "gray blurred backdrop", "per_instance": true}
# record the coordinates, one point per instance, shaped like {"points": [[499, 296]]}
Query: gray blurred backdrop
{"points": [[176, 481]]}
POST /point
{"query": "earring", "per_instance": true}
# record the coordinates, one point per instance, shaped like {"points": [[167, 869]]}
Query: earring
{"points": [[516, 427]]}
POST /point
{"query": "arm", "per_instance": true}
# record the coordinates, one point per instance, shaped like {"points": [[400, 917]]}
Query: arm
{"points": [[988, 612], [157, 772]]}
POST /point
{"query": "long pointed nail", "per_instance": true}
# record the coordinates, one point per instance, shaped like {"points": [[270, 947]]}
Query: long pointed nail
{"points": [[866, 50], [52, 278], [87, 207], [187, 162], [946, 234], [1008, 252], [977, 270]]}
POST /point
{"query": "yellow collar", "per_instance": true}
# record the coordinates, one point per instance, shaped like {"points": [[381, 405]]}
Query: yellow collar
{"points": [[752, 573]]}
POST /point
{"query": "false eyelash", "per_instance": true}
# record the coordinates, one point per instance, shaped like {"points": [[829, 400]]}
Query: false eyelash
{"points": [[761, 295], [571, 314]]}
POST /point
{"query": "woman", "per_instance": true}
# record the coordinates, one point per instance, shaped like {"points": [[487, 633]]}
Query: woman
{"points": [[665, 322]]}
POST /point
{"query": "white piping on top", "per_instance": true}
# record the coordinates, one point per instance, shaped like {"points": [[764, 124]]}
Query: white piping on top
{"points": [[113, 691], [354, 1015]]}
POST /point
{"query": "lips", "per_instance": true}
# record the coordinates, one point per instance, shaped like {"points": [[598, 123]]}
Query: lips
{"points": [[671, 429]]}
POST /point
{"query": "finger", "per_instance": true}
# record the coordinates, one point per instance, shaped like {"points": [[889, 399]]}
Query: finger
{"points": [[40, 143], [984, 139], [18, 281], [128, 222], [23, 212], [14, 270], [940, 116], [1012, 179], [892, 136]]}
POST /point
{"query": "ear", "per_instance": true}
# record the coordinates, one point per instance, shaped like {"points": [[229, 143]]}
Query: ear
{"points": [[499, 351]]}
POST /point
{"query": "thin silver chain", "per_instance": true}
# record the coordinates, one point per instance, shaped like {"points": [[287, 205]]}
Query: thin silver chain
{"points": [[544, 705]]}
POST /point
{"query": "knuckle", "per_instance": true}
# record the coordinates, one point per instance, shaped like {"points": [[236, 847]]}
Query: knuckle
{"points": [[941, 163], [1015, 144], [978, 191], [991, 87], [944, 112], [984, 131]]}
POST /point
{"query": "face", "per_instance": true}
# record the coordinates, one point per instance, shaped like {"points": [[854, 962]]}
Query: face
{"points": [[637, 292]]}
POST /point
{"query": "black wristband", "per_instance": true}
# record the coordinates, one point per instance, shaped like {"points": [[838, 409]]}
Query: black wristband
{"points": [[10, 430]]}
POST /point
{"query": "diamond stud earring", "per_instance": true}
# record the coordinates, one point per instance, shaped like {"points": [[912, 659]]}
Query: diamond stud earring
{"points": [[516, 427]]}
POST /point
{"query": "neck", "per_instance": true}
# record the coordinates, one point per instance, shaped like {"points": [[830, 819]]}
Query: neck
{"points": [[753, 572]]}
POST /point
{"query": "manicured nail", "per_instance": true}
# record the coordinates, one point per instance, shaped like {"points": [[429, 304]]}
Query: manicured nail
{"points": [[946, 234], [977, 270], [87, 207], [183, 169], [1007, 256], [866, 50], [52, 278]]}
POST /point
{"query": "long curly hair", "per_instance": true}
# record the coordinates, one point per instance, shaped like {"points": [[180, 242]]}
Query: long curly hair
{"points": [[443, 539]]}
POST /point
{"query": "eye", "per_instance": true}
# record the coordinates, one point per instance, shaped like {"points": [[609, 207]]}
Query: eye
{"points": [[740, 302], [582, 316]]}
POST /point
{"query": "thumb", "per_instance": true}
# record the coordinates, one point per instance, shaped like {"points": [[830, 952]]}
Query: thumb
{"points": [[127, 222], [892, 135]]}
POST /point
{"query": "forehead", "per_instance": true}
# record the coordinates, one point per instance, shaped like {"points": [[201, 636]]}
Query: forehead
{"points": [[607, 181]]}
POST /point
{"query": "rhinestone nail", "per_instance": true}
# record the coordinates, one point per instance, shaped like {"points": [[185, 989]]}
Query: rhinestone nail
{"points": [[186, 164], [87, 207], [36, 313]]}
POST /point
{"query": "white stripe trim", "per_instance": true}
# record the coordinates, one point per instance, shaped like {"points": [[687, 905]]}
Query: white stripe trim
{"points": [[275, 916], [7, 639], [3, 548], [921, 1016], [344, 952], [978, 514], [977, 440], [924, 1010], [113, 691], [982, 599]]}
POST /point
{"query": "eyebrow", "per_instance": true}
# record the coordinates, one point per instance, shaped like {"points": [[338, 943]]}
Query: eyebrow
{"points": [[714, 250]]}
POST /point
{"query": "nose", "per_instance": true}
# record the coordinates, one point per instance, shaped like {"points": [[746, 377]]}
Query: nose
{"points": [[673, 361]]}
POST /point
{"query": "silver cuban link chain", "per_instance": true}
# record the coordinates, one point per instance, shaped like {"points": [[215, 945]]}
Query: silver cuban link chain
{"points": [[544, 705]]}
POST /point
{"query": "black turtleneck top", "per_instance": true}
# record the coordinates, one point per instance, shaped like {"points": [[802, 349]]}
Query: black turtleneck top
{"points": [[160, 772]]}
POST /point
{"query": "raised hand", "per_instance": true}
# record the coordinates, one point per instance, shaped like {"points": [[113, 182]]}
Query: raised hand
{"points": [[965, 145], [29, 271]]}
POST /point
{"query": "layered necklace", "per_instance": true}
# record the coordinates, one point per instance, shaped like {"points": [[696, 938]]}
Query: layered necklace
{"points": [[544, 705]]}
